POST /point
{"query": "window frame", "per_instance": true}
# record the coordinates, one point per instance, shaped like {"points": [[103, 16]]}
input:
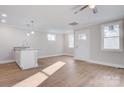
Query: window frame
{"points": [[120, 36]]}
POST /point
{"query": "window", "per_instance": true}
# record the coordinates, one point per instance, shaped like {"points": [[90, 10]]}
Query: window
{"points": [[51, 37], [71, 40], [82, 36], [111, 36]]}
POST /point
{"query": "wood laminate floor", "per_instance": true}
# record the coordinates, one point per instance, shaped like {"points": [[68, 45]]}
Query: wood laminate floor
{"points": [[74, 74]]}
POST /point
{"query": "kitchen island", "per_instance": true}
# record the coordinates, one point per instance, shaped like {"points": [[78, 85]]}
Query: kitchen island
{"points": [[26, 57]]}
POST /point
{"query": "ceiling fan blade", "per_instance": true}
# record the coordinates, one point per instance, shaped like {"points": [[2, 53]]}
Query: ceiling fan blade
{"points": [[95, 10], [82, 8]]}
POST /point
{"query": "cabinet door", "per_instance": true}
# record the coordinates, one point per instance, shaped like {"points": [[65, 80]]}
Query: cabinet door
{"points": [[17, 57], [29, 59]]}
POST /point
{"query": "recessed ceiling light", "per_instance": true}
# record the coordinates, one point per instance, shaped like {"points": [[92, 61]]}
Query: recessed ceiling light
{"points": [[4, 15], [3, 20], [28, 34], [32, 32], [92, 6]]}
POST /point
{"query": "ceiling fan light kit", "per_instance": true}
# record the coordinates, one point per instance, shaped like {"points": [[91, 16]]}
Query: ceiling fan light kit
{"points": [[92, 6]]}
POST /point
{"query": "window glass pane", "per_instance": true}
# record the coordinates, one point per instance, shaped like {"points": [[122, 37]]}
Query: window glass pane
{"points": [[111, 43], [82, 36], [71, 40], [51, 37], [112, 30]]}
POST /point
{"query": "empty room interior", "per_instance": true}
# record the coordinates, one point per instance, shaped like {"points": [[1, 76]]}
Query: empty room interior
{"points": [[61, 45]]}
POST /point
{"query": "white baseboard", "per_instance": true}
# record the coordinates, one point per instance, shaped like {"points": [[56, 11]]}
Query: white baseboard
{"points": [[66, 54], [50, 56], [7, 61], [101, 63], [87, 60], [11, 61]]}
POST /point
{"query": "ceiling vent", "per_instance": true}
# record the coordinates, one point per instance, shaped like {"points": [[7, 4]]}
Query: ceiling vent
{"points": [[73, 23]]}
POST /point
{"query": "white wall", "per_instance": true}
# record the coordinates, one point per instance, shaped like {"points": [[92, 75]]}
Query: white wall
{"points": [[99, 56], [11, 37]]}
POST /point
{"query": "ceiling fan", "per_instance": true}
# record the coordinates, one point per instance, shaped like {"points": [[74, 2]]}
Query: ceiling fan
{"points": [[92, 7]]}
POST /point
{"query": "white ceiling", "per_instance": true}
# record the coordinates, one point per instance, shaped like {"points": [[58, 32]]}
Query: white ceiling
{"points": [[57, 18]]}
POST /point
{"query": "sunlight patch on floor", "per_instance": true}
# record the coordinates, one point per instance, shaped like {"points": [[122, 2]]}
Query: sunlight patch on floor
{"points": [[32, 81], [40, 77], [53, 68]]}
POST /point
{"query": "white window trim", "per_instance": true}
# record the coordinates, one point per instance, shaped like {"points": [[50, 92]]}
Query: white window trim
{"points": [[120, 39]]}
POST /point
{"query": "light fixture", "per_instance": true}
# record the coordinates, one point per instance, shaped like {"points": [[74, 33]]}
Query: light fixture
{"points": [[73, 23], [92, 6], [28, 34], [32, 24], [4, 15], [3, 20], [29, 26], [32, 32]]}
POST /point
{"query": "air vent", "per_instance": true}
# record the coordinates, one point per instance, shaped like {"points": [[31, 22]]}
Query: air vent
{"points": [[73, 23]]}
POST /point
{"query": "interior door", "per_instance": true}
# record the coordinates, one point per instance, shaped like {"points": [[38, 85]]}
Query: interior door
{"points": [[82, 44]]}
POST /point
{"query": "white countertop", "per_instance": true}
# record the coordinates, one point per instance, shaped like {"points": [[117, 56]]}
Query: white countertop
{"points": [[28, 49], [24, 49]]}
